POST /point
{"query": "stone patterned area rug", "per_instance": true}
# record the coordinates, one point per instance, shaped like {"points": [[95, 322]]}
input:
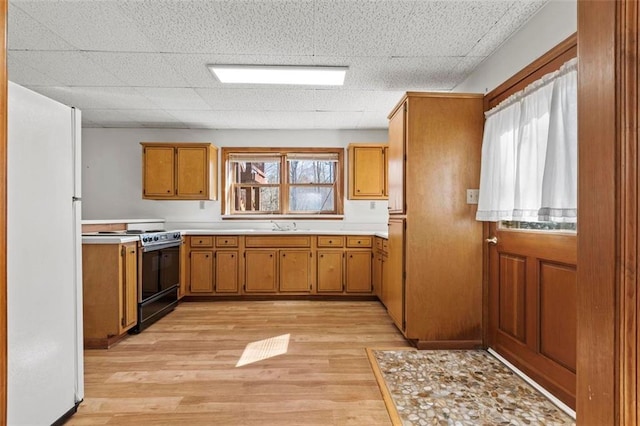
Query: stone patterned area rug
{"points": [[446, 387]]}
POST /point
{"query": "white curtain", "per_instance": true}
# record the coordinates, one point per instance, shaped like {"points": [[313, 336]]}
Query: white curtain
{"points": [[529, 153]]}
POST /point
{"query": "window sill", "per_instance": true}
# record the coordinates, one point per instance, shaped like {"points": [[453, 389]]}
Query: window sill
{"points": [[282, 216]]}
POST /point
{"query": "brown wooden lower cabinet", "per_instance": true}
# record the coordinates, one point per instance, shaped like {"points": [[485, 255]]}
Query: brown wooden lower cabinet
{"points": [[226, 276], [110, 288], [201, 271], [261, 271], [265, 264], [330, 271], [358, 271], [295, 270]]}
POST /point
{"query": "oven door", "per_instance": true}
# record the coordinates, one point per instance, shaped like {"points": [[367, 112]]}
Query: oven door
{"points": [[160, 270]]}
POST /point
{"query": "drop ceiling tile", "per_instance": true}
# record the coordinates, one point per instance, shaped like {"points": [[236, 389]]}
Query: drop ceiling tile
{"points": [[28, 34], [88, 25], [422, 73], [139, 69], [355, 100], [448, 28], [173, 98], [147, 115], [25, 75], [336, 120], [374, 120], [514, 18], [108, 117], [200, 119], [225, 27], [359, 27], [265, 99], [99, 97], [67, 68], [269, 120]]}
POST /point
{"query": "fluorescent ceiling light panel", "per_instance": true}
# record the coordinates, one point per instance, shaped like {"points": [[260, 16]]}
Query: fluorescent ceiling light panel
{"points": [[279, 74]]}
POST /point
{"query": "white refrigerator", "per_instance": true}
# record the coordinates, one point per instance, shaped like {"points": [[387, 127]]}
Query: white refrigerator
{"points": [[44, 260]]}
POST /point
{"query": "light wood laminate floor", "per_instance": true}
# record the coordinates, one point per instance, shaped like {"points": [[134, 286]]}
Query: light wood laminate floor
{"points": [[182, 370]]}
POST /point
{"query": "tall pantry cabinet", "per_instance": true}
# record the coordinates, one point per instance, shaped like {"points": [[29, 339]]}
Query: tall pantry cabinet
{"points": [[434, 277]]}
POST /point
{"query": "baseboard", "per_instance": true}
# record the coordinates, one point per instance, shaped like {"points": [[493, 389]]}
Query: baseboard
{"points": [[104, 343], [265, 297], [448, 344]]}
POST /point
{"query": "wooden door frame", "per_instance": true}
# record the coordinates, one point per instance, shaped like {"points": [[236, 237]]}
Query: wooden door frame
{"points": [[608, 199]]}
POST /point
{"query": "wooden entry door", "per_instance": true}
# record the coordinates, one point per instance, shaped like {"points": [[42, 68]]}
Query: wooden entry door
{"points": [[532, 305]]}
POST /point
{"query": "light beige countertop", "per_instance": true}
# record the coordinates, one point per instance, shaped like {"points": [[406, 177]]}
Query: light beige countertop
{"points": [[119, 239], [109, 239], [105, 221]]}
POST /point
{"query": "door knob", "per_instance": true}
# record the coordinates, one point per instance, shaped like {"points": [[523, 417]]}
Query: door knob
{"points": [[492, 240]]}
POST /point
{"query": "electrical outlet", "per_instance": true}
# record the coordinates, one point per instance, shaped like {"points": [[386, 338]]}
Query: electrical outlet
{"points": [[372, 205], [201, 205], [472, 196]]}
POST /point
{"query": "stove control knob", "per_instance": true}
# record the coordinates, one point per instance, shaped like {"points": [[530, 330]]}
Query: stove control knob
{"points": [[176, 235], [145, 239], [155, 238]]}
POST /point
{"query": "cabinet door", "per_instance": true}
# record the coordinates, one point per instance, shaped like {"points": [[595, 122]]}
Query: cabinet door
{"points": [[377, 274], [192, 170], [129, 287], [358, 271], [368, 172], [159, 169], [396, 157], [227, 271], [295, 268], [260, 271], [393, 288], [330, 271], [201, 272]]}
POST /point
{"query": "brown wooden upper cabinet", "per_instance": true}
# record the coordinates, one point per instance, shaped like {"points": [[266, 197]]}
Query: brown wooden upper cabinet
{"points": [[179, 171], [367, 171], [396, 158]]}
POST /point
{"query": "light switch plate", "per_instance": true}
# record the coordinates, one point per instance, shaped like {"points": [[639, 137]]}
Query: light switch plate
{"points": [[472, 196]]}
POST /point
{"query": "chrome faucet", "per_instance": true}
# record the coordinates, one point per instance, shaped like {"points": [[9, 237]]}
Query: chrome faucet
{"points": [[277, 227]]}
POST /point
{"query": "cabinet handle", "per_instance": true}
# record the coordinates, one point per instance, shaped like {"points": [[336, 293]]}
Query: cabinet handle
{"points": [[168, 191], [207, 256], [270, 255], [351, 256], [322, 255], [357, 190], [330, 241], [133, 251], [283, 255], [225, 241], [359, 242], [201, 192], [200, 242], [232, 256]]}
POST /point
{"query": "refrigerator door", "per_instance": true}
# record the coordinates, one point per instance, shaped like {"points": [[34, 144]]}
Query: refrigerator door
{"points": [[41, 272], [76, 136]]}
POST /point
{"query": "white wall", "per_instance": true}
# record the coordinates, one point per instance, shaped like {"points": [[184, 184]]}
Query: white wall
{"points": [[112, 175], [555, 21]]}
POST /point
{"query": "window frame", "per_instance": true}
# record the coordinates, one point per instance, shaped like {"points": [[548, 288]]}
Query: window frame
{"points": [[228, 186]]}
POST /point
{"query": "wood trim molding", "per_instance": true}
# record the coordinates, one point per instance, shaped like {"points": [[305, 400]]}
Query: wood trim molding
{"points": [[549, 62], [3, 210], [627, 123], [608, 300]]}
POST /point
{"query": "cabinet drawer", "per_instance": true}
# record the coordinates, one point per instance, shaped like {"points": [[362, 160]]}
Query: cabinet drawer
{"points": [[227, 241], [330, 241], [201, 241], [359, 241], [263, 241]]}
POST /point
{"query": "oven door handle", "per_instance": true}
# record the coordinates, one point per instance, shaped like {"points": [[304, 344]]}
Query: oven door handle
{"points": [[155, 247]]}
